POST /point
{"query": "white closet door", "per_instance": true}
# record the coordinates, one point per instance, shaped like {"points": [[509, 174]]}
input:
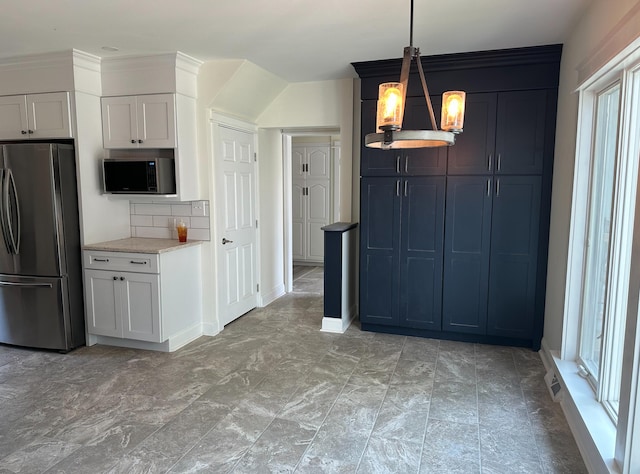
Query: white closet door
{"points": [[318, 206], [298, 218], [319, 161], [311, 195]]}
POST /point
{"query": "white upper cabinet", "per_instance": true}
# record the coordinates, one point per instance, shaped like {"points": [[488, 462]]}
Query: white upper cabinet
{"points": [[35, 116], [143, 121]]}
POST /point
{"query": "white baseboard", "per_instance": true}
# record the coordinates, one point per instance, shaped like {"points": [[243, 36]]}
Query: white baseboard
{"points": [[184, 337], [210, 329], [172, 344], [338, 325], [268, 297]]}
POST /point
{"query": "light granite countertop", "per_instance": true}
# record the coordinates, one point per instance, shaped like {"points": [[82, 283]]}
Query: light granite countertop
{"points": [[141, 245]]}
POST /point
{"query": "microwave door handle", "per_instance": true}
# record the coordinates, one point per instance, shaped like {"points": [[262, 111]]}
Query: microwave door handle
{"points": [[13, 233]]}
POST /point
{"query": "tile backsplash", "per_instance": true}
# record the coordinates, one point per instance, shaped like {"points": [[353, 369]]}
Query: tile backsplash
{"points": [[156, 220]]}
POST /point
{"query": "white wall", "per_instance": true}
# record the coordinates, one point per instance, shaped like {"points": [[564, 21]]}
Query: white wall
{"points": [[592, 37], [271, 185]]}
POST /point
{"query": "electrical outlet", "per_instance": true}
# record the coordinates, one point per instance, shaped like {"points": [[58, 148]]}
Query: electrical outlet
{"points": [[197, 208]]}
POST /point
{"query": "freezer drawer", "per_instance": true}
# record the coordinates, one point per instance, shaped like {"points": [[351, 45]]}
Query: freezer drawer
{"points": [[34, 312]]}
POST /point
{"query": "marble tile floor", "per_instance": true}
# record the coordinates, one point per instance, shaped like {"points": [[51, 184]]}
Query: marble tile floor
{"points": [[308, 279], [271, 393]]}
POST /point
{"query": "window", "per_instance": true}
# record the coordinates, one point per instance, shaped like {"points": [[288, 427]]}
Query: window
{"points": [[597, 250], [608, 104]]}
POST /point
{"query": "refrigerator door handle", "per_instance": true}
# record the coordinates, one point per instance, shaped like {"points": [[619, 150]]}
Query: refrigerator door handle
{"points": [[3, 216], [13, 233], [26, 285]]}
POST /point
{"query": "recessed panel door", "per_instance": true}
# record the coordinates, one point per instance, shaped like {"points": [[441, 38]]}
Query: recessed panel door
{"points": [[318, 205], [514, 256], [140, 294], [421, 239], [237, 274], [379, 250], [466, 253], [119, 122], [103, 303]]}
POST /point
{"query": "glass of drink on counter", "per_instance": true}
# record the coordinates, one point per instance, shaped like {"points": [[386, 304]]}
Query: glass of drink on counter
{"points": [[181, 227]]}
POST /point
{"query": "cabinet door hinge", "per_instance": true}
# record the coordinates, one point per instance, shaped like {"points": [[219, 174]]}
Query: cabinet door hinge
{"points": [[257, 286], [256, 223], [255, 156]]}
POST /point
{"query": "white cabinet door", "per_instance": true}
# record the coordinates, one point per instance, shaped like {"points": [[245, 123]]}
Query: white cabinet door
{"points": [[140, 300], [156, 121], [146, 121], [298, 219], [298, 162], [318, 211], [102, 302], [318, 162], [49, 115], [119, 127], [13, 117]]}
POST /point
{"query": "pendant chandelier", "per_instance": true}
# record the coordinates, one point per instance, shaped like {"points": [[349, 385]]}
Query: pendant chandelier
{"points": [[390, 111]]}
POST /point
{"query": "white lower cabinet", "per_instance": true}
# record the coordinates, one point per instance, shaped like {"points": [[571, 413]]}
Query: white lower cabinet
{"points": [[123, 304], [154, 298]]}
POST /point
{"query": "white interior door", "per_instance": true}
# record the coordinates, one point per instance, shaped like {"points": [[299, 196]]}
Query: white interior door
{"points": [[236, 249]]}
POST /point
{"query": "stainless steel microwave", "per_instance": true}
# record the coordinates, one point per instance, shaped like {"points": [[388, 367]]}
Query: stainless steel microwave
{"points": [[138, 175]]}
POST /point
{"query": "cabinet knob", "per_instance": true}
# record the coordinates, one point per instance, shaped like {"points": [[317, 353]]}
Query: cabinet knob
{"points": [[121, 278], [30, 132], [24, 132], [115, 278], [139, 141], [133, 141]]}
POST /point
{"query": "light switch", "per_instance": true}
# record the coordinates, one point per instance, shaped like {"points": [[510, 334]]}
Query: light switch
{"points": [[197, 208]]}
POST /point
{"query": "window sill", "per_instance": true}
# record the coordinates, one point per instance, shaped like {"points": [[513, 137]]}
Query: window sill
{"points": [[592, 428]]}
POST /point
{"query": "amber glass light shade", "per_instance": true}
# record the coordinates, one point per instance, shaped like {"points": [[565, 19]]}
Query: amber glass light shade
{"points": [[390, 106], [452, 119]]}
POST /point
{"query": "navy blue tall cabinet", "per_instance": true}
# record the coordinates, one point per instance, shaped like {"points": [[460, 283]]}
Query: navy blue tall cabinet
{"points": [[453, 241]]}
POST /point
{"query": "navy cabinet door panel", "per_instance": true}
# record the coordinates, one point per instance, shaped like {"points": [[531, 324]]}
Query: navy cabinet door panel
{"points": [[473, 152], [514, 255], [466, 253], [520, 136], [379, 254], [421, 233]]}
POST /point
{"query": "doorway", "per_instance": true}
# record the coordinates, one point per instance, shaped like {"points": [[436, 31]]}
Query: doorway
{"points": [[311, 195]]}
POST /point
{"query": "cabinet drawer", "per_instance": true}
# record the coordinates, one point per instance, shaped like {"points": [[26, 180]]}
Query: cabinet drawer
{"points": [[120, 261]]}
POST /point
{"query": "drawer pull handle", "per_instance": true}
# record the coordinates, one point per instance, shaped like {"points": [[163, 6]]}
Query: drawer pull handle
{"points": [[137, 263], [100, 259]]}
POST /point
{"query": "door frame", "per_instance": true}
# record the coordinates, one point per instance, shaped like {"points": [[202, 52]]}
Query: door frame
{"points": [[287, 194], [217, 120]]}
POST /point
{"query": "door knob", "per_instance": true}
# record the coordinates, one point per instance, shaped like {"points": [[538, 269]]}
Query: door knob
{"points": [[226, 241]]}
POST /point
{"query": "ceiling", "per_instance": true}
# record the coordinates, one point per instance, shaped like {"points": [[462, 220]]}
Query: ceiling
{"points": [[295, 39]]}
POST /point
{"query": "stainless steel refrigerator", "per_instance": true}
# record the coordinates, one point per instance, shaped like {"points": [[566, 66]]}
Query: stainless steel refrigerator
{"points": [[41, 298]]}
